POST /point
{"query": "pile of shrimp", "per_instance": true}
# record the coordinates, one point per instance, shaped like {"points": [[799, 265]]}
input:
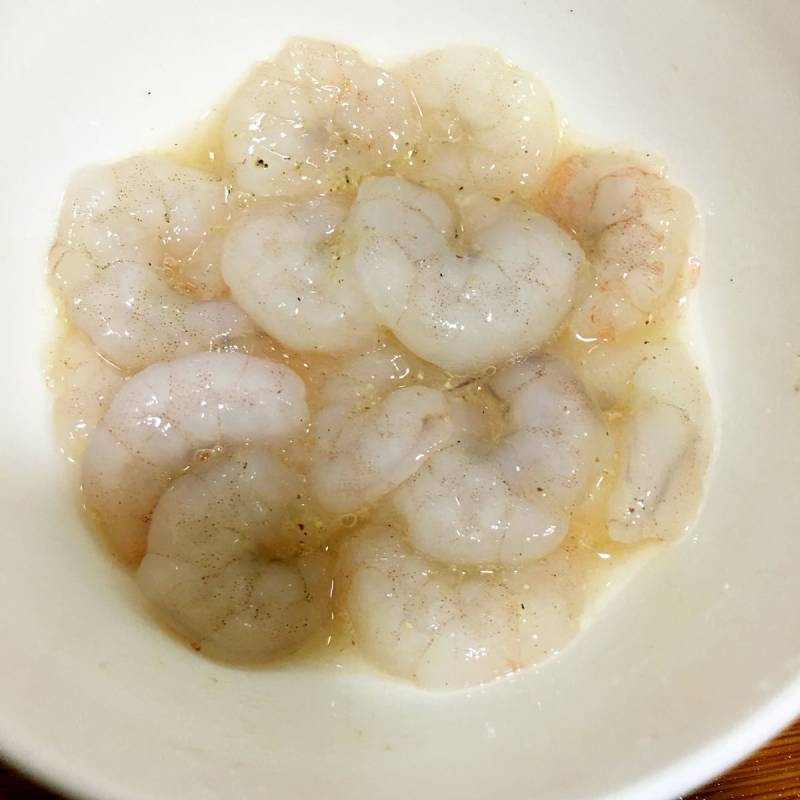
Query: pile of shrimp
{"points": [[396, 363]]}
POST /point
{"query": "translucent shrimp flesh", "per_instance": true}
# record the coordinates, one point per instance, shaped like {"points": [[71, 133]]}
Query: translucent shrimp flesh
{"points": [[501, 298], [362, 453], [636, 228], [364, 378], [508, 501], [665, 451], [227, 563], [488, 126], [84, 384], [608, 368], [314, 119], [444, 628], [556, 436], [460, 510], [125, 230], [283, 268], [165, 416]]}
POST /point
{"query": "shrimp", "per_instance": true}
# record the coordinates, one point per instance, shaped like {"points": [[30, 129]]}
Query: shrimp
{"points": [[226, 564], [314, 118], [666, 450], [488, 126], [168, 413], [507, 502], [124, 230], [555, 436], [283, 269], [84, 385], [465, 312], [607, 368], [361, 454], [461, 510], [375, 423], [363, 379], [449, 629], [635, 226]]}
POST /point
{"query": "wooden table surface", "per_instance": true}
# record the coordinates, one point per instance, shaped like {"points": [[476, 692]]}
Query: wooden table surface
{"points": [[771, 774]]}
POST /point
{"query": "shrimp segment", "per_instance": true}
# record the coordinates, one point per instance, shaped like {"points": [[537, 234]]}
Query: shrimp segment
{"points": [[666, 451], [314, 118], [464, 313], [224, 562], [489, 126], [123, 229], [363, 379], [282, 268], [361, 454], [448, 629], [476, 503], [167, 413], [556, 436], [460, 509], [84, 385], [635, 226]]}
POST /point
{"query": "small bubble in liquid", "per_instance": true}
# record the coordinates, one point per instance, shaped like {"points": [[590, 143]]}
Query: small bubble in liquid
{"points": [[489, 371], [349, 520], [204, 454]]}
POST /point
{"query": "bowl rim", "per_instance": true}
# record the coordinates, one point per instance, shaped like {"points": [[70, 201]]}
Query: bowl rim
{"points": [[687, 774]]}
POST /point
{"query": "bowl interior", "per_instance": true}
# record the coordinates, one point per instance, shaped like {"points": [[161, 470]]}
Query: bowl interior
{"points": [[693, 664]]}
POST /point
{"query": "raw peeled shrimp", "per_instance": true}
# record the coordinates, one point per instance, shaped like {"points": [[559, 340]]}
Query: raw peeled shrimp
{"points": [[282, 268], [507, 502], [84, 384], [665, 451], [635, 227], [448, 629], [460, 509], [365, 378], [362, 453], [314, 118], [382, 230], [225, 560], [608, 368], [488, 126], [465, 312], [375, 426], [124, 229], [165, 415], [555, 435]]}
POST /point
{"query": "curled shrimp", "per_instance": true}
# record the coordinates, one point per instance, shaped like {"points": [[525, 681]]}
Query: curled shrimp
{"points": [[555, 436], [314, 118], [444, 628], [488, 126], [635, 226], [84, 384], [362, 453], [282, 267], [169, 412], [226, 561], [507, 501], [665, 451], [364, 378], [502, 298], [375, 423], [124, 228]]}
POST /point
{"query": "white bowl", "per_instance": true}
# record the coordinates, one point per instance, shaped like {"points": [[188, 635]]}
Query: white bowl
{"points": [[688, 669]]}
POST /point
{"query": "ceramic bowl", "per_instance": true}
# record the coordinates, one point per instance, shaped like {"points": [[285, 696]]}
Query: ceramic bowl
{"points": [[690, 667]]}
